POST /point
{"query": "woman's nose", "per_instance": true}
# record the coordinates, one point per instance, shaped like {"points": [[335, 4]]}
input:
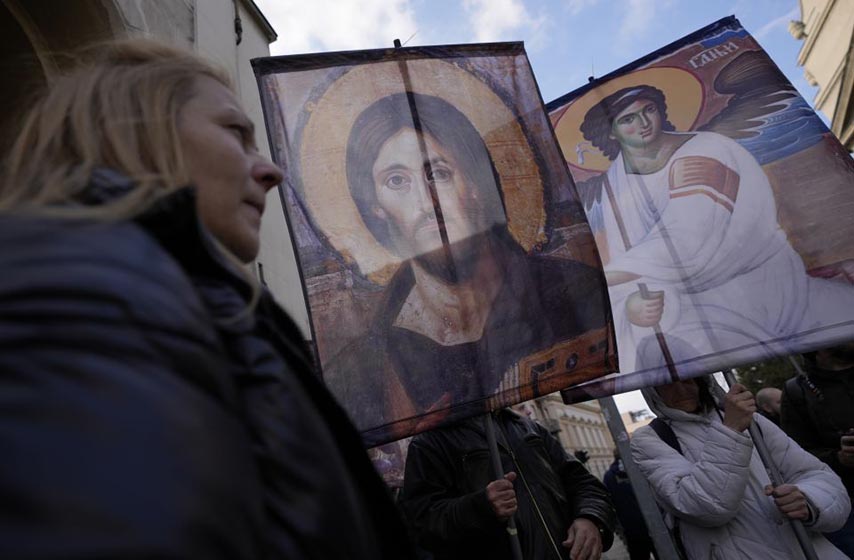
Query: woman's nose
{"points": [[266, 173]]}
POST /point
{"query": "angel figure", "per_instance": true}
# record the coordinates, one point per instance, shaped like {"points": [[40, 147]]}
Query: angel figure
{"points": [[692, 246]]}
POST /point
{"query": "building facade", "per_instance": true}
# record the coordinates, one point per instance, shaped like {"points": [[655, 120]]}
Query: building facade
{"points": [[579, 427], [39, 38], [635, 419], [826, 28]]}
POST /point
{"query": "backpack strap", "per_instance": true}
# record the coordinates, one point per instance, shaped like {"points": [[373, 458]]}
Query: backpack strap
{"points": [[794, 390], [666, 433]]}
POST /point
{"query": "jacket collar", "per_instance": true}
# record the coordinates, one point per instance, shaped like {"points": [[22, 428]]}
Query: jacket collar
{"points": [[173, 221], [501, 418]]}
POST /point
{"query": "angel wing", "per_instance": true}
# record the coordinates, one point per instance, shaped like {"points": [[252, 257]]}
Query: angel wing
{"points": [[765, 113], [590, 194]]}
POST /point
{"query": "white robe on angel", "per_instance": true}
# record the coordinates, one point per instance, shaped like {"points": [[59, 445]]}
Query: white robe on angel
{"points": [[704, 230]]}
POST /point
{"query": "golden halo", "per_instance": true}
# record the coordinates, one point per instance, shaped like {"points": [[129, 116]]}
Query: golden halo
{"points": [[323, 150], [682, 91]]}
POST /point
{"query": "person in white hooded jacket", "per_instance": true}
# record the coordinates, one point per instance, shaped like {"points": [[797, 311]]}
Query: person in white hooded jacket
{"points": [[718, 491]]}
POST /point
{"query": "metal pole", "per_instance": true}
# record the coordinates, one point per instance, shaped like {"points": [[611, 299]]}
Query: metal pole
{"points": [[775, 476], [422, 145], [661, 537], [642, 288], [659, 336], [795, 364], [515, 547]]}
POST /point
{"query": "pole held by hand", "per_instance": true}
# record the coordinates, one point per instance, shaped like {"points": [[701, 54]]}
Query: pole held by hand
{"points": [[492, 442]]}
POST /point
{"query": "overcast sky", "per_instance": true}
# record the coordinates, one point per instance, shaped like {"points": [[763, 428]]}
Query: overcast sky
{"points": [[567, 40]]}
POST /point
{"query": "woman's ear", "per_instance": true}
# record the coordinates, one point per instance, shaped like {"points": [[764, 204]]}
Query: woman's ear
{"points": [[379, 212]]}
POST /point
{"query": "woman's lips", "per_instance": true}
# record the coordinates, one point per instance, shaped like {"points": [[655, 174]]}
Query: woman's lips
{"points": [[255, 206]]}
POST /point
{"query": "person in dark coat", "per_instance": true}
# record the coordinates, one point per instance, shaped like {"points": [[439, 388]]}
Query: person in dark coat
{"points": [[817, 412], [155, 401], [629, 513], [459, 511]]}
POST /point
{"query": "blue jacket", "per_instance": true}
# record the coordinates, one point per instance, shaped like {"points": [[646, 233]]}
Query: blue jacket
{"points": [[628, 511], [142, 416]]}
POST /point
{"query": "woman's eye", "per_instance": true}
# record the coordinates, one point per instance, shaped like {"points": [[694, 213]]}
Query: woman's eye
{"points": [[652, 109], [397, 181], [244, 136], [238, 130]]}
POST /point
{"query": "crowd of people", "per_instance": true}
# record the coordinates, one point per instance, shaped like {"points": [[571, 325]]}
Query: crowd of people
{"points": [[156, 402]]}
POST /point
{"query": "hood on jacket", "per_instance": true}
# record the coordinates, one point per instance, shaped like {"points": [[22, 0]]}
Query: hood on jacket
{"points": [[656, 403]]}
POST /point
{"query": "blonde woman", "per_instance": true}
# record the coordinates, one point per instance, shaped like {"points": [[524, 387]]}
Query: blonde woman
{"points": [[153, 401]]}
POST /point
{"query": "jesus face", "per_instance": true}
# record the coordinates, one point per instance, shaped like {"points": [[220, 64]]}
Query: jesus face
{"points": [[637, 126], [403, 175]]}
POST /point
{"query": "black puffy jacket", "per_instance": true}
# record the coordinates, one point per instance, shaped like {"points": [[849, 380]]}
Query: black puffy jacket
{"points": [[142, 416], [444, 491], [816, 411]]}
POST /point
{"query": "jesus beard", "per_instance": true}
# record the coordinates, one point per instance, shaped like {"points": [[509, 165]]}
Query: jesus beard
{"points": [[455, 263]]}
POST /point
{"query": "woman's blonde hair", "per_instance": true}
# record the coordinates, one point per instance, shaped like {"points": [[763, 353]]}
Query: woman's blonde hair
{"points": [[117, 108]]}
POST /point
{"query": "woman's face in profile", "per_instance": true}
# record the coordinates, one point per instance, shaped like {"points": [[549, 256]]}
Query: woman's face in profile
{"points": [[681, 395], [230, 176]]}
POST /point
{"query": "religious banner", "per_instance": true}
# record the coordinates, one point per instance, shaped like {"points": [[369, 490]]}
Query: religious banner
{"points": [[446, 261], [722, 207]]}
